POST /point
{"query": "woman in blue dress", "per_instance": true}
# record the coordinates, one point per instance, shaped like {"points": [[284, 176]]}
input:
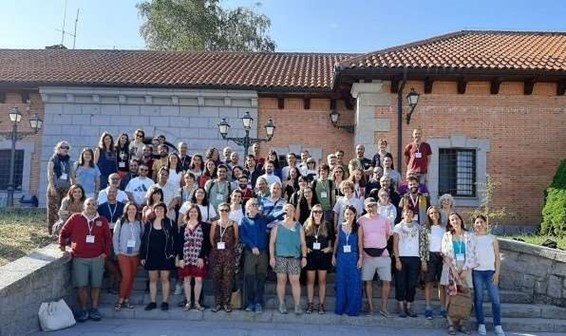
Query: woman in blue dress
{"points": [[348, 261]]}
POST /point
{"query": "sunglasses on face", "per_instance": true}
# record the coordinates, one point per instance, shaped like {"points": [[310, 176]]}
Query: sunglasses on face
{"points": [[317, 212], [224, 210], [254, 204], [64, 147]]}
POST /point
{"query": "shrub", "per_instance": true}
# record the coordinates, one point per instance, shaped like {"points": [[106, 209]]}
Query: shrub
{"points": [[554, 211]]}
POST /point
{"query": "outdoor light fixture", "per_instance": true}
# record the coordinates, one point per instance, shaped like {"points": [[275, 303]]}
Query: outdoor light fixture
{"points": [[334, 116], [246, 141], [35, 124], [413, 99]]}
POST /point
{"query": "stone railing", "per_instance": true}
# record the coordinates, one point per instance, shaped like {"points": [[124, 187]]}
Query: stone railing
{"points": [[27, 282], [536, 270]]}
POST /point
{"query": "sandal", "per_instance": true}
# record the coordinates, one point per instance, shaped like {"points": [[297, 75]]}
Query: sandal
{"points": [[451, 330], [228, 308], [463, 330], [118, 306], [310, 308], [188, 306], [216, 308], [199, 307]]}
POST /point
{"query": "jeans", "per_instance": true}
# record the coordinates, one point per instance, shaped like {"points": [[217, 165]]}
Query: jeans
{"points": [[481, 279]]}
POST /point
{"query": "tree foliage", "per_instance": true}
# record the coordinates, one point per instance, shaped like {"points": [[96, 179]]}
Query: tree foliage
{"points": [[196, 25], [554, 211]]}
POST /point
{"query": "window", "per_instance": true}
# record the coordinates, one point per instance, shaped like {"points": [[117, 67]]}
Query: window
{"points": [[5, 169], [457, 172]]}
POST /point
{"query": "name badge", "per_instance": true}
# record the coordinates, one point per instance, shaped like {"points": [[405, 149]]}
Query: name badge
{"points": [[460, 257], [64, 176], [122, 164], [219, 197], [316, 246], [416, 218], [418, 155], [347, 249], [90, 239], [131, 243], [323, 194], [221, 245]]}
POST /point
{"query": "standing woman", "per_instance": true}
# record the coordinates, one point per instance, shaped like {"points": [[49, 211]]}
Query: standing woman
{"points": [[127, 241], [123, 155], [59, 178], [338, 174], [196, 167], [288, 251], [87, 173], [318, 236], [236, 209], [207, 211], [277, 169], [358, 178], [434, 231], [306, 202], [155, 195], [459, 251], [193, 246], [175, 170], [223, 239], [209, 173], [408, 258], [486, 274], [292, 183], [157, 254], [105, 158], [348, 261]]}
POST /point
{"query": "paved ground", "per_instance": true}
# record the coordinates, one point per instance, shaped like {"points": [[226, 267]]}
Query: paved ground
{"points": [[110, 327]]}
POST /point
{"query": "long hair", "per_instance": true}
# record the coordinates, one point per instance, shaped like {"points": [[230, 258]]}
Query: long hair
{"points": [[355, 224], [125, 214], [310, 223], [192, 165], [126, 145], [152, 192], [178, 169], [73, 188], [194, 197], [462, 224], [207, 172], [82, 159], [428, 221], [193, 206], [101, 142], [303, 200]]}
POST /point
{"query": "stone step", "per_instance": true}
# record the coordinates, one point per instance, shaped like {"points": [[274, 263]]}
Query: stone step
{"points": [[271, 316], [506, 296], [512, 310]]}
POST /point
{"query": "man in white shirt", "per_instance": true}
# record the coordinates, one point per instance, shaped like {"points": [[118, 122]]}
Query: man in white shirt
{"points": [[137, 187], [113, 180], [291, 162], [269, 176]]}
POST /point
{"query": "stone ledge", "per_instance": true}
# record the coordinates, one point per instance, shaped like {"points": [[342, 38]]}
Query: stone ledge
{"points": [[539, 251]]}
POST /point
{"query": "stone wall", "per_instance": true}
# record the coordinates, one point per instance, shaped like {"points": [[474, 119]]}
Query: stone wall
{"points": [[27, 282], [536, 270]]}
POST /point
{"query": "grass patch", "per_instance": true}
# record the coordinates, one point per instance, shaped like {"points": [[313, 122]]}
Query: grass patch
{"points": [[22, 232], [538, 239]]}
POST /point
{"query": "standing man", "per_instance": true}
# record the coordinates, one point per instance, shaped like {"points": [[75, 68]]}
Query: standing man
{"points": [[365, 163], [259, 160], [218, 189], [170, 192], [184, 157], [147, 159], [417, 156], [113, 181], [269, 175], [252, 170], [132, 173], [137, 187], [415, 201], [325, 191], [90, 245], [375, 231]]}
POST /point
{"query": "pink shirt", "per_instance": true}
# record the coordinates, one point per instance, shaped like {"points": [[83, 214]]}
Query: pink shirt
{"points": [[376, 232]]}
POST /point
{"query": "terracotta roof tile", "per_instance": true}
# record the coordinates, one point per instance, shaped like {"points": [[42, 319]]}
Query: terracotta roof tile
{"points": [[305, 71], [544, 51]]}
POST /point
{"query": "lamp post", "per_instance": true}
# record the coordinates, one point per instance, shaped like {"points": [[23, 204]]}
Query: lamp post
{"points": [[412, 99], [334, 116], [15, 118], [246, 141]]}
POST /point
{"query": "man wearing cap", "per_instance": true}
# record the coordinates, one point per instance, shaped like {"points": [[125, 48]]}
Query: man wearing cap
{"points": [[375, 230]]}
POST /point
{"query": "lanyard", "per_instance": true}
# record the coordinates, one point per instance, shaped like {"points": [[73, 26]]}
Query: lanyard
{"points": [[90, 224], [112, 213], [347, 235], [414, 201], [222, 232], [317, 231], [131, 225]]}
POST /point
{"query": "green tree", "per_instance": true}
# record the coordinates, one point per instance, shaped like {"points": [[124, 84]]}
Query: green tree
{"points": [[194, 25], [554, 211]]}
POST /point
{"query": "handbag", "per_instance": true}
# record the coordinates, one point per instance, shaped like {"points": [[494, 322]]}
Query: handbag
{"points": [[55, 315], [460, 307], [236, 299]]}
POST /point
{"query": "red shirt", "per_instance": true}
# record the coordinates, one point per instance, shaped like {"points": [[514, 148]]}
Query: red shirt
{"points": [[418, 156], [78, 227]]}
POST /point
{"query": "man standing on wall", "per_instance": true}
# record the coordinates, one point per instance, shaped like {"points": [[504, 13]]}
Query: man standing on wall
{"points": [[89, 235], [417, 156]]}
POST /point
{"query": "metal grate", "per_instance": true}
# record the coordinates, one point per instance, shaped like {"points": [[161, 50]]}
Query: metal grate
{"points": [[5, 169], [457, 172]]}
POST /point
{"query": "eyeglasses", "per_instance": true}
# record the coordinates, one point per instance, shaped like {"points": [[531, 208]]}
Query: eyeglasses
{"points": [[64, 147], [317, 212], [254, 204], [224, 210]]}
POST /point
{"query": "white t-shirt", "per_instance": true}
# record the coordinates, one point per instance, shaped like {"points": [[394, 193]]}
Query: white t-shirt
{"points": [[139, 187], [435, 238], [389, 211], [485, 252], [206, 212], [408, 239], [120, 197], [175, 178], [236, 215]]}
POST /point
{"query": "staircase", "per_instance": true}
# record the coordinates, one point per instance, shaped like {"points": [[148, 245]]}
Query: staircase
{"points": [[519, 314]]}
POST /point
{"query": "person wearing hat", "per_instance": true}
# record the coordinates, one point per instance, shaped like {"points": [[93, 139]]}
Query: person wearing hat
{"points": [[375, 230]]}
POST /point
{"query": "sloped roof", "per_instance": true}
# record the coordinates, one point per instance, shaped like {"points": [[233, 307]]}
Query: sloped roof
{"points": [[286, 71], [481, 50]]}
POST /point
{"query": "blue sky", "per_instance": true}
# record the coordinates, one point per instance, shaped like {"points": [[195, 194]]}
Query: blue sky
{"points": [[297, 25]]}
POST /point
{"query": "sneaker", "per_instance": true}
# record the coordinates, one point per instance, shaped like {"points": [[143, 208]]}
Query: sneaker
{"points": [[411, 312], [321, 309], [151, 306], [164, 306], [95, 315], [178, 289], [443, 313], [258, 308], [310, 308], [82, 316], [481, 329], [428, 314], [250, 308], [402, 314], [282, 308], [499, 331], [298, 310]]}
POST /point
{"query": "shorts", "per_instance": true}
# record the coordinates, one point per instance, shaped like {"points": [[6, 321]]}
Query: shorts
{"points": [[192, 271], [381, 265], [435, 265], [88, 272], [318, 261], [287, 265]]}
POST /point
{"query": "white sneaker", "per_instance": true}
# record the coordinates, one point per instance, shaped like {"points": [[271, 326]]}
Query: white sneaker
{"points": [[481, 329], [178, 289], [499, 331]]}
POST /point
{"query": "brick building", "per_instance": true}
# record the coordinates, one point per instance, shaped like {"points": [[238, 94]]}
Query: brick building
{"points": [[490, 102]]}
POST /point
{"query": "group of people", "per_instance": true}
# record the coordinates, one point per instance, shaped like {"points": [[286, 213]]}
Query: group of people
{"points": [[184, 216]]}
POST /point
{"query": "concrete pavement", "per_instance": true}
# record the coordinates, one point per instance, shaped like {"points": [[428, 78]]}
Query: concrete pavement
{"points": [[114, 327]]}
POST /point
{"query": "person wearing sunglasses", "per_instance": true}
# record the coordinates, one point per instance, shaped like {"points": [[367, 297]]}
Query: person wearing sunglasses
{"points": [[223, 240], [60, 177], [136, 146]]}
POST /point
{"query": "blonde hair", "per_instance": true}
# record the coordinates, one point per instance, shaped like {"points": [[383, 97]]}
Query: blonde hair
{"points": [[310, 224]]}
